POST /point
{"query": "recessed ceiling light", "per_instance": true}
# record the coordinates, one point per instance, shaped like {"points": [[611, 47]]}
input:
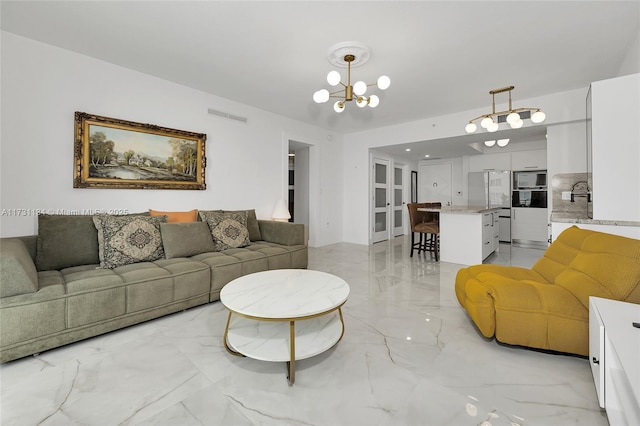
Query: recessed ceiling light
{"points": [[408, 149], [427, 156], [503, 142], [490, 143]]}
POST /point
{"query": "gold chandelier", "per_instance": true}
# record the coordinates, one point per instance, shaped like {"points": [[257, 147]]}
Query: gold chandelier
{"points": [[350, 53], [514, 116]]}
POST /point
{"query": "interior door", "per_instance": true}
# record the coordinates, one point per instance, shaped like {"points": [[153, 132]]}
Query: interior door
{"points": [[381, 200], [435, 184], [398, 200]]}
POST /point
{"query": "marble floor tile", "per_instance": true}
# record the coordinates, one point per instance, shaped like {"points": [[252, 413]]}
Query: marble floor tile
{"points": [[409, 356]]}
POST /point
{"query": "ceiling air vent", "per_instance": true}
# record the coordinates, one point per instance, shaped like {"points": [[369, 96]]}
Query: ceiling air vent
{"points": [[228, 115], [523, 116]]}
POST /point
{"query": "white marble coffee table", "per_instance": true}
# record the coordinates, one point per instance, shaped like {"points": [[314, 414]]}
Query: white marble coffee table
{"points": [[284, 315]]}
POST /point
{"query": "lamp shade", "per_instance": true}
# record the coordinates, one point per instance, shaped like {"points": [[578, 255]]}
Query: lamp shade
{"points": [[383, 82], [538, 117], [321, 96], [281, 212], [470, 128], [360, 88], [333, 78]]}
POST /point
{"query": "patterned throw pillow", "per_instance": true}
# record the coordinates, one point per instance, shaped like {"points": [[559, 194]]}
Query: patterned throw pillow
{"points": [[229, 230], [128, 239]]}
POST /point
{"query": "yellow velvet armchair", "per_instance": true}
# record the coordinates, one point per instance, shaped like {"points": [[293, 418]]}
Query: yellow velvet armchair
{"points": [[547, 306]]}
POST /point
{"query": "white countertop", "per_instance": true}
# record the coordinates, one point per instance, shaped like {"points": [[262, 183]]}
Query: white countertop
{"points": [[460, 209], [571, 217]]}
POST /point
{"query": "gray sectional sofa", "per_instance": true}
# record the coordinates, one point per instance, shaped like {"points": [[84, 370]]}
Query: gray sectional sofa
{"points": [[53, 290]]}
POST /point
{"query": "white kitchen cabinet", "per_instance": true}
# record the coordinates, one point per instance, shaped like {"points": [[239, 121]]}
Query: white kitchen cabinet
{"points": [[490, 233], [535, 159], [614, 138], [529, 225], [467, 234], [489, 162], [614, 351]]}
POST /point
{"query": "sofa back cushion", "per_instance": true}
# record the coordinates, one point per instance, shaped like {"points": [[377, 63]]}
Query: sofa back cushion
{"points": [[561, 252], [186, 239], [607, 266], [66, 240]]}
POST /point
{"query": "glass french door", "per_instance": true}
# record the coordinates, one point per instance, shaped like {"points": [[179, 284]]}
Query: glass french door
{"points": [[381, 200], [398, 200]]}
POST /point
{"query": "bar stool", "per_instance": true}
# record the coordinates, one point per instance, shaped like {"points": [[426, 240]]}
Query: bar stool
{"points": [[427, 225]]}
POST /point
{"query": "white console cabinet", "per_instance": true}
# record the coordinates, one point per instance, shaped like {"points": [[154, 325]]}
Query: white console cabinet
{"points": [[614, 355]]}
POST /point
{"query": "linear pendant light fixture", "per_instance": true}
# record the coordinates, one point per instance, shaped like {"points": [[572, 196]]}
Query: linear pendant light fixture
{"points": [[490, 121], [350, 54]]}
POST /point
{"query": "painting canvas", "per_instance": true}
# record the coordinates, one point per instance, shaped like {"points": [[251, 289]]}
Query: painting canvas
{"points": [[114, 153]]}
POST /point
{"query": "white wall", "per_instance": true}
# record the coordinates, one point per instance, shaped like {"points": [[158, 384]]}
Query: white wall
{"points": [[561, 107], [42, 86]]}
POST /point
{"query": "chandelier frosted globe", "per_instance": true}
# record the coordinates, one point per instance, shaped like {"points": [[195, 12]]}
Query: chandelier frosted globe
{"points": [[360, 88], [321, 96], [383, 82], [333, 78], [538, 116]]}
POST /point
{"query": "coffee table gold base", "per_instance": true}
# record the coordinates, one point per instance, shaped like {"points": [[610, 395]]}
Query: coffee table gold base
{"points": [[291, 364]]}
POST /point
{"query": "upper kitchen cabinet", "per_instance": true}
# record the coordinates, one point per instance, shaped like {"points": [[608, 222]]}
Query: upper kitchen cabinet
{"points": [[613, 133], [489, 162], [529, 160]]}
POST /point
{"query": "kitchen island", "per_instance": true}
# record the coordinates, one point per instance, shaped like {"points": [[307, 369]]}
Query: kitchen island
{"points": [[468, 235]]}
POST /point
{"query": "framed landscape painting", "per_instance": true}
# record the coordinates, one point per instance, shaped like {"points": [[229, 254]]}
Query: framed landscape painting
{"points": [[114, 153]]}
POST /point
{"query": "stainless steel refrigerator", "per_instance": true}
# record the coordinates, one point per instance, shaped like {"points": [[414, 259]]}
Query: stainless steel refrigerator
{"points": [[493, 189]]}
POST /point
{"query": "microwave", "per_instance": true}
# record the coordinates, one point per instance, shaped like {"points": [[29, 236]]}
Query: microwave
{"points": [[531, 180]]}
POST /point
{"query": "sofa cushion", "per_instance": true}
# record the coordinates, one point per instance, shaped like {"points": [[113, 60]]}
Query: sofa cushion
{"points": [[17, 271], [128, 239], [186, 239], [252, 223], [190, 216], [229, 230], [66, 240]]}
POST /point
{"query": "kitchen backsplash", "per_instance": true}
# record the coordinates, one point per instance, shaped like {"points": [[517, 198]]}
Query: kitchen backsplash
{"points": [[565, 182]]}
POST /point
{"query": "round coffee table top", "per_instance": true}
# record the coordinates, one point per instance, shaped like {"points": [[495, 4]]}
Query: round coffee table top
{"points": [[284, 294]]}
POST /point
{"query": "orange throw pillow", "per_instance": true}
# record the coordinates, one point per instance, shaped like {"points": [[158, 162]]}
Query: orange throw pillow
{"points": [[190, 216]]}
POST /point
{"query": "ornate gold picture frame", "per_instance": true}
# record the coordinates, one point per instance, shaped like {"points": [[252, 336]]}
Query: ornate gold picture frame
{"points": [[114, 153]]}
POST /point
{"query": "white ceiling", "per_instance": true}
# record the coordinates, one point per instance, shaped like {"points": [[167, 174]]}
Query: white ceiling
{"points": [[442, 56]]}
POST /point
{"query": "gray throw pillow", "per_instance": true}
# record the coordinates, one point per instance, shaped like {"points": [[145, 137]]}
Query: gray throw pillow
{"points": [[186, 239], [128, 239], [66, 240], [229, 230]]}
